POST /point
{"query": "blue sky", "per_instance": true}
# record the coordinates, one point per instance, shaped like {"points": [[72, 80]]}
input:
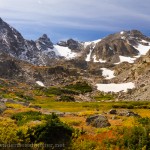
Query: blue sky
{"points": [[82, 20]]}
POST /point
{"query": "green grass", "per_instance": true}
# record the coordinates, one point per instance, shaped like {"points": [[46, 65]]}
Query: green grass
{"points": [[50, 104], [54, 91], [101, 97], [74, 106], [132, 105]]}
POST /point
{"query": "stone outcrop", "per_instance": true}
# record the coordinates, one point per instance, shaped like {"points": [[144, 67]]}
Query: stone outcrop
{"points": [[72, 44], [98, 121]]}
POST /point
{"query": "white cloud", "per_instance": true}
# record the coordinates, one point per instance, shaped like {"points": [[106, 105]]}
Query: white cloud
{"points": [[107, 15]]}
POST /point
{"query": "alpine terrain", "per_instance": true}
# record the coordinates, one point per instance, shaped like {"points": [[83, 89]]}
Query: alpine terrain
{"points": [[74, 95], [117, 64]]}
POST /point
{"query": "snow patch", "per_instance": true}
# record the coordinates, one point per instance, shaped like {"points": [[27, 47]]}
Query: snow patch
{"points": [[40, 83], [88, 58], [142, 49], [96, 41], [94, 57], [107, 73], [122, 32], [112, 87], [111, 48], [100, 60], [63, 51], [143, 41], [90, 42], [123, 37], [126, 59]]}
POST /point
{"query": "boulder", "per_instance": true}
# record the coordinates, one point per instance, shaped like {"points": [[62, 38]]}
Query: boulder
{"points": [[2, 107], [113, 111], [128, 113], [131, 113], [98, 121]]}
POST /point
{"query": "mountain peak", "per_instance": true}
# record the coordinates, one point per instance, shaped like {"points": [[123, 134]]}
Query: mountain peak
{"points": [[45, 36], [1, 21], [44, 42]]}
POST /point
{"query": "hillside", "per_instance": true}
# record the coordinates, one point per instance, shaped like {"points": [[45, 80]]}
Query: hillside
{"points": [[74, 95], [120, 58]]}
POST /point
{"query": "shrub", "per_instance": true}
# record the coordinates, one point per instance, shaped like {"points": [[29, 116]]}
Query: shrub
{"points": [[23, 96], [24, 117], [128, 106], [66, 98], [81, 87], [133, 138], [52, 132], [136, 138], [144, 121], [86, 145], [53, 90], [8, 131], [56, 91]]}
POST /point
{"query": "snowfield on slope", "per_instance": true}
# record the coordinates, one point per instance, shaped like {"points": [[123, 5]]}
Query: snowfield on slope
{"points": [[142, 51], [126, 59], [88, 57], [100, 60], [113, 87], [107, 73], [40, 83], [64, 51], [90, 42], [142, 48]]}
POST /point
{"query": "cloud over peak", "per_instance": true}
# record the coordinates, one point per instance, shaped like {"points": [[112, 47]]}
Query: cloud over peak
{"points": [[96, 15]]}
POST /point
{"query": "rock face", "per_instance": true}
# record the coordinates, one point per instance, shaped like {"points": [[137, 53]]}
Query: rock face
{"points": [[113, 111], [128, 113], [72, 44], [43, 43], [12, 42], [137, 73], [2, 107], [119, 44], [98, 121], [40, 52], [131, 113]]}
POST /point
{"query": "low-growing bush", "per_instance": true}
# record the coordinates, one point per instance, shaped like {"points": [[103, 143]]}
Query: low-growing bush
{"points": [[53, 132], [128, 106], [67, 98], [130, 138], [23, 96], [24, 117], [81, 87], [144, 121]]}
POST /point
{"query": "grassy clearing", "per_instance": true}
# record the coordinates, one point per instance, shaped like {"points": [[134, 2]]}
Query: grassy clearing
{"points": [[73, 106], [101, 97], [50, 103]]}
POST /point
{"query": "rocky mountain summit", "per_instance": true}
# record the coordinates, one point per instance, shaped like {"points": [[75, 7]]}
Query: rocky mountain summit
{"points": [[111, 49], [13, 43], [115, 47], [72, 44]]}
